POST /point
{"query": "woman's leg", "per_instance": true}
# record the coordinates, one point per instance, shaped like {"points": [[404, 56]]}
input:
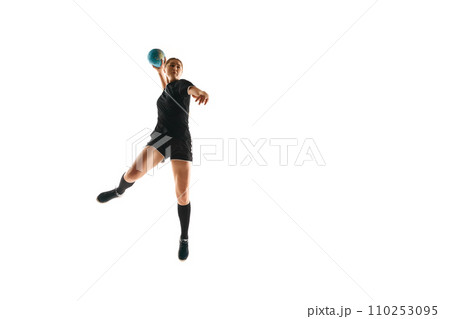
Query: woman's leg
{"points": [[182, 174], [147, 159]]}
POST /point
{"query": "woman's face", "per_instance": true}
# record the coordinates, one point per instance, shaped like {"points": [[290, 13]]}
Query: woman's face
{"points": [[174, 70]]}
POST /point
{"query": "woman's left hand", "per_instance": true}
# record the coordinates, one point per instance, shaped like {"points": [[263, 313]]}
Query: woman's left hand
{"points": [[203, 97]]}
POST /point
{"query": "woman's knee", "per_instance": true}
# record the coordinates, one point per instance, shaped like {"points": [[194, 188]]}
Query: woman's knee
{"points": [[183, 198], [133, 175]]}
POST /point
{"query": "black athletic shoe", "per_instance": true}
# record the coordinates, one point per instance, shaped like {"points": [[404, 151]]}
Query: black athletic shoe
{"points": [[183, 252], [107, 196]]}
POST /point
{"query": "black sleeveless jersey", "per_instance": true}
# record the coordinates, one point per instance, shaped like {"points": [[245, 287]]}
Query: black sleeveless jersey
{"points": [[173, 110]]}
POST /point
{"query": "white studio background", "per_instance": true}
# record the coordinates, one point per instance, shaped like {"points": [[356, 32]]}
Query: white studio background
{"points": [[366, 81]]}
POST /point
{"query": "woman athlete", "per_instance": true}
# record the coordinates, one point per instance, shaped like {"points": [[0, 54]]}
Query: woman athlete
{"points": [[170, 138]]}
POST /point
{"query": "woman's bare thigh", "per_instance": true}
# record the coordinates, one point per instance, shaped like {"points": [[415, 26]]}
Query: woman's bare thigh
{"points": [[146, 160], [182, 175]]}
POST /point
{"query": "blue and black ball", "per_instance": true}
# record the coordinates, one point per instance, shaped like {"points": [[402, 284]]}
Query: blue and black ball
{"points": [[155, 57]]}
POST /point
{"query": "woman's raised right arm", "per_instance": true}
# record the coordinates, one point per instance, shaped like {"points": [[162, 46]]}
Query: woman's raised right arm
{"points": [[162, 74]]}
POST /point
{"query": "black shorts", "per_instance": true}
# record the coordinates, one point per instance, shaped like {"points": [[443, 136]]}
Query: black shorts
{"points": [[173, 147]]}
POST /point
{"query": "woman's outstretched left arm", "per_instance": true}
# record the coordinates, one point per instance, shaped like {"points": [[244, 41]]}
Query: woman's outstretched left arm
{"points": [[198, 95]]}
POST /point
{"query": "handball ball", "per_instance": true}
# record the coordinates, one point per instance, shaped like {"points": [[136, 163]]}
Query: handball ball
{"points": [[155, 57]]}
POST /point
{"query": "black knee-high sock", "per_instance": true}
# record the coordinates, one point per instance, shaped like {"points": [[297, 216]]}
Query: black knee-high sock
{"points": [[123, 185], [184, 213]]}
